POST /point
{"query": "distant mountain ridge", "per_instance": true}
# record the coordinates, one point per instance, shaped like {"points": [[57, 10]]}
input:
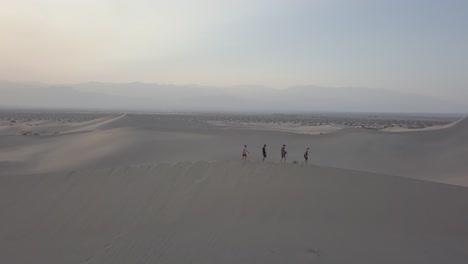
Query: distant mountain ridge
{"points": [[159, 97]]}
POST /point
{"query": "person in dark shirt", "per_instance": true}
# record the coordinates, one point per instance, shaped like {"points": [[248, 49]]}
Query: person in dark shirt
{"points": [[264, 152], [283, 153], [306, 156]]}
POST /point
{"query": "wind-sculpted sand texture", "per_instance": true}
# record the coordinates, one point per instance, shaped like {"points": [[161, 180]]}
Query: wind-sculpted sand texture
{"points": [[230, 212], [138, 139]]}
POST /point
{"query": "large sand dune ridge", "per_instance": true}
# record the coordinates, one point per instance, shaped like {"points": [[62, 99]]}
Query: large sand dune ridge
{"points": [[436, 155], [230, 212]]}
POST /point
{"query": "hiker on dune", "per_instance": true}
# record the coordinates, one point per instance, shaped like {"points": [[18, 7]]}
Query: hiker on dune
{"points": [[306, 156], [244, 153], [283, 153]]}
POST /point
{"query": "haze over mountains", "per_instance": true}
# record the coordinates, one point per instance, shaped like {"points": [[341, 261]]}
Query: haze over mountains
{"points": [[162, 97]]}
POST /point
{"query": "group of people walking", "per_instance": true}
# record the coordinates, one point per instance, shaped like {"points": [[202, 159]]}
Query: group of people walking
{"points": [[284, 153]]}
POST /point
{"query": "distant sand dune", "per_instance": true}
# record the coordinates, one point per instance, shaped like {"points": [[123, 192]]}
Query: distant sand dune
{"points": [[97, 123], [436, 155], [230, 212], [45, 128], [288, 127], [460, 123]]}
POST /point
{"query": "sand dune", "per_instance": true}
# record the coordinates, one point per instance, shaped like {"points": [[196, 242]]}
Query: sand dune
{"points": [[436, 155], [45, 128], [87, 194], [292, 128], [230, 212], [459, 123]]}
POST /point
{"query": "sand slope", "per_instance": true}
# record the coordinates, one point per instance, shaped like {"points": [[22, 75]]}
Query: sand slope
{"points": [[436, 155], [230, 212]]}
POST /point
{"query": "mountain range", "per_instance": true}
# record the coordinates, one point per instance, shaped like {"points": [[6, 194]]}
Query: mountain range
{"points": [[162, 97]]}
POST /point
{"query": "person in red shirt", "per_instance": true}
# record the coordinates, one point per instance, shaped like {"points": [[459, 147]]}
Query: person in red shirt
{"points": [[244, 153]]}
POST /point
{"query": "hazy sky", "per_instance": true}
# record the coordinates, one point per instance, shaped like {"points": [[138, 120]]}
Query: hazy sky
{"points": [[415, 45]]}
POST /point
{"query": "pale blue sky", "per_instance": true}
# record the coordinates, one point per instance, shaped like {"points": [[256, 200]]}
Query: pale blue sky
{"points": [[413, 45]]}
